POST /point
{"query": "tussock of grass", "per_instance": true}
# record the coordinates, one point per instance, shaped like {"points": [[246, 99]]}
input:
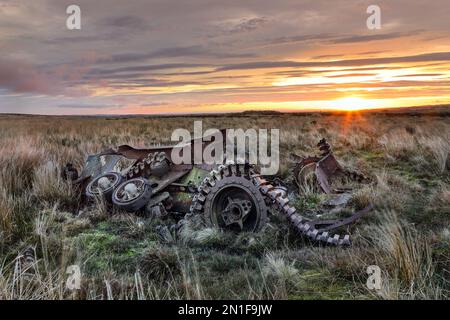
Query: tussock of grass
{"points": [[277, 266], [438, 149], [399, 144], [428, 150], [49, 187], [388, 191], [207, 235], [160, 263], [406, 258]]}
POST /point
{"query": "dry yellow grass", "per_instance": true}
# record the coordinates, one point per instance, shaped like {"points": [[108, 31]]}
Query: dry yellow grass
{"points": [[407, 235]]}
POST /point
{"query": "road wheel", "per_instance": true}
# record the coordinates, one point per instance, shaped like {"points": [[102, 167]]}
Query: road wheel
{"points": [[104, 185], [132, 194], [228, 199]]}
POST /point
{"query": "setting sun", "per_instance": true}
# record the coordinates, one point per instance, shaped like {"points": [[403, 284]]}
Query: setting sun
{"points": [[352, 104]]}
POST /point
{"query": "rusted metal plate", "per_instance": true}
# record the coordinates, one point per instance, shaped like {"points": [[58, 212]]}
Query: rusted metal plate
{"points": [[159, 184], [97, 165], [328, 225], [322, 178], [326, 168], [139, 154], [329, 165]]}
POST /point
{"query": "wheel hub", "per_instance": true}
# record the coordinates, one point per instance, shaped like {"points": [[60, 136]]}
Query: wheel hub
{"points": [[231, 202], [132, 195], [236, 211], [104, 183], [130, 190]]}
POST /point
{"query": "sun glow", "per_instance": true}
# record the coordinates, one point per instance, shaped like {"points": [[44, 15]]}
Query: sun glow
{"points": [[352, 104]]}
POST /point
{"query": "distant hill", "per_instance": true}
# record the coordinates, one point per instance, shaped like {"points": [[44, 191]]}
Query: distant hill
{"points": [[440, 110]]}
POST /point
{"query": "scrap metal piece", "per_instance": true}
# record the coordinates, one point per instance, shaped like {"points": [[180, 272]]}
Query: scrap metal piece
{"points": [[98, 164], [158, 211], [339, 200], [321, 170], [332, 224], [316, 230], [158, 199]]}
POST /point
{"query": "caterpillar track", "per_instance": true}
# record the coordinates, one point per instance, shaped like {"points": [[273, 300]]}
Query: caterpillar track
{"points": [[298, 222], [146, 165], [272, 195]]}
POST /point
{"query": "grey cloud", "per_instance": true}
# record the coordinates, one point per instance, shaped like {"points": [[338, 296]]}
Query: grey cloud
{"points": [[327, 56], [333, 56], [300, 38], [428, 57], [126, 21], [340, 39], [151, 83], [249, 24], [108, 36], [153, 104], [122, 74], [21, 77], [374, 37], [128, 73], [264, 65], [109, 29], [87, 106], [141, 68], [173, 52]]}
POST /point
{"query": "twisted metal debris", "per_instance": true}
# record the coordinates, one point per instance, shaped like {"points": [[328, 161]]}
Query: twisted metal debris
{"points": [[316, 230], [233, 197]]}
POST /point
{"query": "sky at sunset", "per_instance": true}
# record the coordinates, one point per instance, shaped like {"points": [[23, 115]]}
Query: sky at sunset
{"points": [[197, 56]]}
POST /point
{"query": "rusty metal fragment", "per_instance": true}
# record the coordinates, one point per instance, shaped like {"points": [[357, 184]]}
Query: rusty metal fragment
{"points": [[321, 170]]}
